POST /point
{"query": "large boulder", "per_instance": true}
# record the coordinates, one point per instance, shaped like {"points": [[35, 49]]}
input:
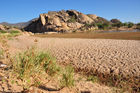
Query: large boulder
{"points": [[75, 25], [2, 27], [42, 18], [92, 16], [82, 18], [56, 21]]}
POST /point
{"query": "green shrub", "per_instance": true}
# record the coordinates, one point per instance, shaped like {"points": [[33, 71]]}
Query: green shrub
{"points": [[72, 19], [2, 31], [138, 26], [1, 54], [14, 33], [32, 64], [92, 78], [118, 25], [125, 24], [130, 24], [103, 26], [67, 77], [90, 25]]}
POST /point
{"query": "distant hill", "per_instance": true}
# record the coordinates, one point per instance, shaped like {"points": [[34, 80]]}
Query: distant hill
{"points": [[19, 25]]}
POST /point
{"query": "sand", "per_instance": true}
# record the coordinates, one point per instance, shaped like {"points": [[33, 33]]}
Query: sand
{"points": [[119, 57]]}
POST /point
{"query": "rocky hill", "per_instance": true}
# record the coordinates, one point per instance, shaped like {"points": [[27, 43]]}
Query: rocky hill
{"points": [[18, 25], [64, 21]]}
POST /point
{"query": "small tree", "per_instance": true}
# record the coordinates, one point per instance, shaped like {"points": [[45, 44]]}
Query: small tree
{"points": [[138, 26], [130, 24], [125, 24], [103, 26], [118, 25]]}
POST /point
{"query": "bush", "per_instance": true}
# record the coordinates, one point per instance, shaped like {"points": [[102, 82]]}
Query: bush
{"points": [[130, 24], [125, 24], [72, 19], [67, 77], [90, 25], [138, 26], [93, 78], [103, 26], [1, 54], [118, 25], [14, 33], [31, 65], [2, 31]]}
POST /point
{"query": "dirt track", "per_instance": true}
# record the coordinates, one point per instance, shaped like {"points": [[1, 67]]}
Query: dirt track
{"points": [[103, 55]]}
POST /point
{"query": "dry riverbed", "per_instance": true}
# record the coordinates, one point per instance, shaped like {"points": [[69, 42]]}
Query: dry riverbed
{"points": [[104, 56], [110, 56]]}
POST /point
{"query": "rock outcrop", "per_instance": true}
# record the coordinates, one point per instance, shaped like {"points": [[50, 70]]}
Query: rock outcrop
{"points": [[2, 27], [61, 21]]}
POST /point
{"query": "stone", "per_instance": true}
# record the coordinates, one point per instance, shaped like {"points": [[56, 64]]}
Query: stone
{"points": [[75, 25], [2, 27], [65, 21], [56, 21], [42, 18], [82, 18], [92, 16]]}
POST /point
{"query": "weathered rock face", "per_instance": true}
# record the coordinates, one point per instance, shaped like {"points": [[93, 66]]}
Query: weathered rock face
{"points": [[82, 18], [60, 21], [92, 16], [2, 27]]}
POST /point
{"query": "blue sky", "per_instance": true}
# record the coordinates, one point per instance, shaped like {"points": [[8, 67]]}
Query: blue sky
{"points": [[14, 11]]}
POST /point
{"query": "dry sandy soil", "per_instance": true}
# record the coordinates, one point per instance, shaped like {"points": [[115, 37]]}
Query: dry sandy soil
{"points": [[119, 57], [105, 56]]}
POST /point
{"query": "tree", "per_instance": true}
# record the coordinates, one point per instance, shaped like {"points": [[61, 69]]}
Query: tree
{"points": [[138, 26], [117, 24], [103, 26], [125, 24], [130, 24], [115, 21]]}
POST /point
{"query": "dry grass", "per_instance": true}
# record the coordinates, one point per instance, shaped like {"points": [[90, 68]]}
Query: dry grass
{"points": [[91, 35]]}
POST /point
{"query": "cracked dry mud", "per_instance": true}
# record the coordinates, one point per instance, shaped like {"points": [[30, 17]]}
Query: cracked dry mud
{"points": [[120, 57]]}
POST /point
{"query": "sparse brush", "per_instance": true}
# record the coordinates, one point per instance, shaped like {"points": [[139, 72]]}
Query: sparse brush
{"points": [[67, 77], [92, 78], [1, 54], [31, 65], [14, 33], [2, 31]]}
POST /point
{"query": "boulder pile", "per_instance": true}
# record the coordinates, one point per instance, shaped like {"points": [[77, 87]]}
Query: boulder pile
{"points": [[61, 21]]}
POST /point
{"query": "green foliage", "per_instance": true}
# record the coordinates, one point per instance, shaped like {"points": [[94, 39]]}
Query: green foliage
{"points": [[103, 26], [31, 64], [1, 53], [118, 25], [10, 33], [90, 25], [72, 19], [14, 33], [130, 24], [125, 24], [68, 77], [92, 78], [138, 26], [100, 26], [2, 31]]}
